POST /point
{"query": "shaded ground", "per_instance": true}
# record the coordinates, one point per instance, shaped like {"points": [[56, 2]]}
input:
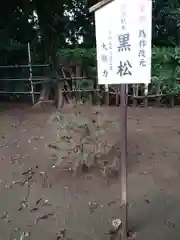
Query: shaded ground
{"points": [[37, 162]]}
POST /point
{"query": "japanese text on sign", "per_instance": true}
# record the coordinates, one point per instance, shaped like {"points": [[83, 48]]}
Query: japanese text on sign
{"points": [[123, 42], [124, 67], [110, 50], [142, 44]]}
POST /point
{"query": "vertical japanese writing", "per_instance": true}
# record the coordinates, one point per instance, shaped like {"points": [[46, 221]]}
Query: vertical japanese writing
{"points": [[123, 17], [142, 16], [142, 39], [104, 58], [110, 50], [142, 45], [125, 66]]}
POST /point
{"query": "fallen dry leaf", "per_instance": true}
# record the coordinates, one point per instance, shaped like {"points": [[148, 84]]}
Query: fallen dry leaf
{"points": [[23, 205], [4, 215], [45, 216], [21, 183], [28, 172], [61, 234], [16, 229], [24, 234], [38, 201], [170, 224], [46, 203], [34, 209], [112, 202], [53, 146], [93, 206], [147, 201], [116, 224]]}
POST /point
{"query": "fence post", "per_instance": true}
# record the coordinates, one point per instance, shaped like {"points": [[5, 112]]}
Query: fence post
{"points": [[146, 96], [172, 100], [135, 94], [30, 74], [106, 94]]}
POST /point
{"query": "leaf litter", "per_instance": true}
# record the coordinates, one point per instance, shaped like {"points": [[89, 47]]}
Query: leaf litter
{"points": [[85, 139]]}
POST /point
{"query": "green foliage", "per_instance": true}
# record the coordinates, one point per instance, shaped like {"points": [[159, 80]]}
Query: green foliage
{"points": [[166, 23], [166, 69], [84, 57]]}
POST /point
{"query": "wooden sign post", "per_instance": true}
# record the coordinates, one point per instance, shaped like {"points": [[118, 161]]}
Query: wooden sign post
{"points": [[123, 43]]}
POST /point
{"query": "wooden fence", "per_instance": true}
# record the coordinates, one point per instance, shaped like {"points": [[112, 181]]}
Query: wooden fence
{"points": [[72, 83], [137, 95]]}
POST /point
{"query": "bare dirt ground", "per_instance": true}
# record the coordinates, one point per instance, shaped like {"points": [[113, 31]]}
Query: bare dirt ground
{"points": [[41, 196]]}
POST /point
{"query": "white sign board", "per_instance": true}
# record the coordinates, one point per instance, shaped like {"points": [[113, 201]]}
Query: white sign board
{"points": [[123, 41]]}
